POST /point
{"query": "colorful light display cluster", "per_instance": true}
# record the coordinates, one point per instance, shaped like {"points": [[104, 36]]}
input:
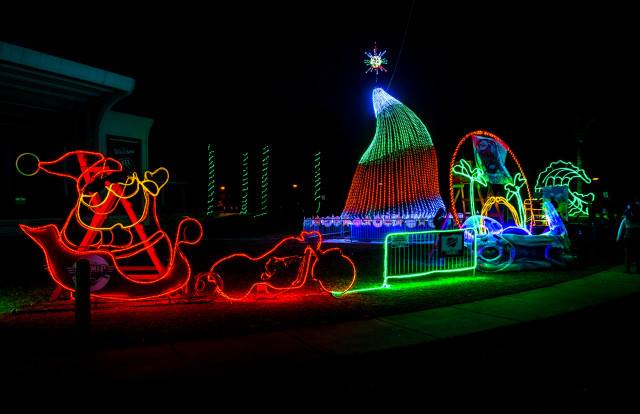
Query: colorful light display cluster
{"points": [[562, 174], [397, 175], [512, 188], [502, 246], [211, 185], [244, 184], [317, 181], [394, 195], [116, 272], [516, 248]]}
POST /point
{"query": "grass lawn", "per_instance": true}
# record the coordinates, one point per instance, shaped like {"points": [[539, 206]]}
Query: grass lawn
{"points": [[153, 321]]}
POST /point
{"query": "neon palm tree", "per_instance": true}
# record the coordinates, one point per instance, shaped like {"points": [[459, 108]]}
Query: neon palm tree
{"points": [[474, 175]]}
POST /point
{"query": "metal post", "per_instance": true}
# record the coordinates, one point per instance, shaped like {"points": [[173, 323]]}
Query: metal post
{"points": [[83, 303]]}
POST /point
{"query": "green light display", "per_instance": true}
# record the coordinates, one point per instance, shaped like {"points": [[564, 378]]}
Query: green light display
{"points": [[398, 130], [414, 254], [423, 284], [474, 176], [512, 190], [563, 174], [244, 184], [370, 289], [211, 186], [265, 180], [317, 181]]}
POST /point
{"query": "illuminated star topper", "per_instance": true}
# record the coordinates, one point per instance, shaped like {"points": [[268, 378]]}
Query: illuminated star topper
{"points": [[376, 60]]}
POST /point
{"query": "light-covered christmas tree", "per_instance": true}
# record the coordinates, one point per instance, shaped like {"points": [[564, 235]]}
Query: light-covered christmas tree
{"points": [[397, 175]]}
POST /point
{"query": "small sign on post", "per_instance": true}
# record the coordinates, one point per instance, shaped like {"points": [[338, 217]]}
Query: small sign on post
{"points": [[83, 302], [451, 244], [399, 240]]}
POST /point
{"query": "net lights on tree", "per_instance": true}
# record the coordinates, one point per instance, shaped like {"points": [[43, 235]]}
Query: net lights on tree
{"points": [[397, 175]]}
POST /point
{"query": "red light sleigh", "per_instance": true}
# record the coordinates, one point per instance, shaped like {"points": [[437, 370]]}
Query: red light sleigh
{"points": [[125, 263], [128, 264], [294, 264]]}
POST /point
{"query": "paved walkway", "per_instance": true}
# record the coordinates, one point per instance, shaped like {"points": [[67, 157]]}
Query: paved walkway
{"points": [[320, 343]]}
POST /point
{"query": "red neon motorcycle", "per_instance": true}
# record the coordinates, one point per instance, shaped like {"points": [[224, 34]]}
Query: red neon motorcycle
{"points": [[294, 264]]}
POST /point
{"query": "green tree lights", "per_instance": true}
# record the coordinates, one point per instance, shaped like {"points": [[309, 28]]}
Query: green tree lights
{"points": [[265, 180], [317, 181], [244, 184], [211, 185]]}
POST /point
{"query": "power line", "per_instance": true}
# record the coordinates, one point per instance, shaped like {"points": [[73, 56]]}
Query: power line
{"points": [[404, 38]]}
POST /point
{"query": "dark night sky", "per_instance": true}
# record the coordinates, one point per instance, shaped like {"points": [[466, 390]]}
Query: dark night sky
{"points": [[293, 76]]}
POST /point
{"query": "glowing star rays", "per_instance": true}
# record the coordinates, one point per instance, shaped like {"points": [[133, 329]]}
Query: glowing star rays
{"points": [[376, 61]]}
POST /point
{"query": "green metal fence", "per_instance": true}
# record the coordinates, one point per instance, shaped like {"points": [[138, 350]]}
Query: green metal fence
{"points": [[414, 254]]}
